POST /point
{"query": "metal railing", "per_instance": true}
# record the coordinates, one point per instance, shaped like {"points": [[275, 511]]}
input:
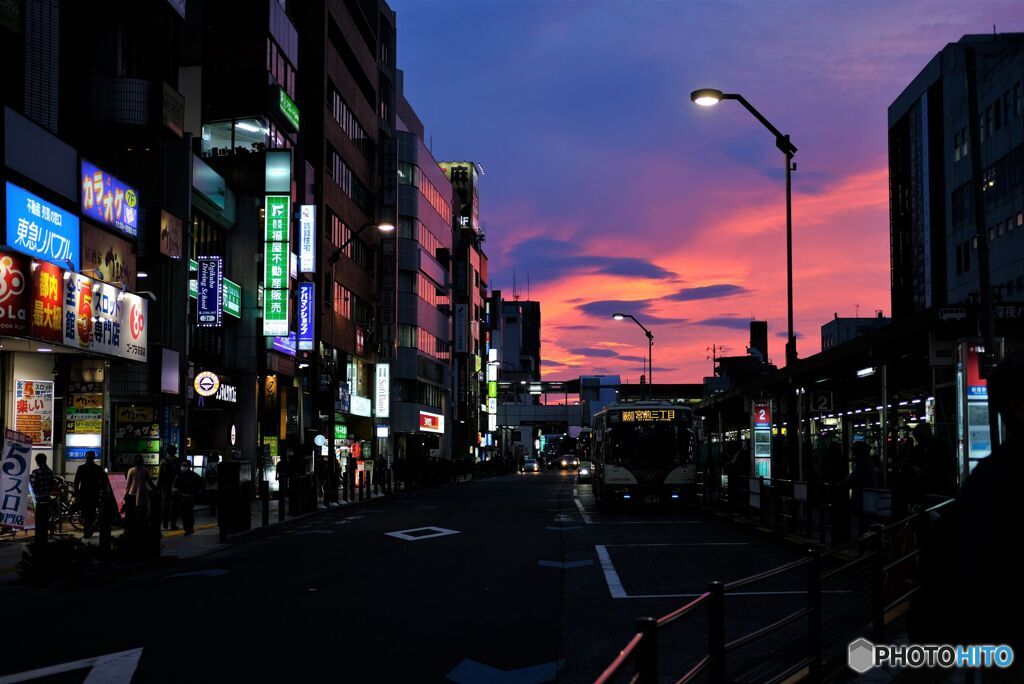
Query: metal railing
{"points": [[845, 592]]}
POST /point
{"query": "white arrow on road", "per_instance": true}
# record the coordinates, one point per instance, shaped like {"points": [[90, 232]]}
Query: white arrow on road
{"points": [[472, 672], [113, 668]]}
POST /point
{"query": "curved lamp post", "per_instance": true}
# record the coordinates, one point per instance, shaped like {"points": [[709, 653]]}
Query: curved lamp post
{"points": [[709, 97], [650, 347]]}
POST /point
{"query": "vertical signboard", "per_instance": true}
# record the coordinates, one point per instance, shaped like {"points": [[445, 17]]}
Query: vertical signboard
{"points": [[275, 260], [47, 303], [15, 296], [170, 235], [14, 480], [307, 242], [761, 433], [306, 308], [382, 391], [107, 257], [975, 441], [210, 292]]}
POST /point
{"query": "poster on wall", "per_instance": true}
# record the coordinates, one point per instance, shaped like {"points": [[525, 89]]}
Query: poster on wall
{"points": [[170, 235], [14, 480], [83, 420], [33, 410]]}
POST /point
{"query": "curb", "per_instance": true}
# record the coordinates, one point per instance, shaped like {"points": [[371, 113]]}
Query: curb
{"points": [[258, 532]]}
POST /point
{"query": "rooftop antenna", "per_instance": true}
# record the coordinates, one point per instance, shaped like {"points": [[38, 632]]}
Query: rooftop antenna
{"points": [[856, 310], [515, 289], [527, 286]]}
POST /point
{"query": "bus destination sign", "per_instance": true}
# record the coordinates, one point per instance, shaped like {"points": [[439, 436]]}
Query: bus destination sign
{"points": [[649, 416]]}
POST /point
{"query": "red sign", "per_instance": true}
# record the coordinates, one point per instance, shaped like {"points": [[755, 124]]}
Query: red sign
{"points": [[977, 386], [762, 415], [431, 422], [360, 340], [14, 293], [48, 302]]}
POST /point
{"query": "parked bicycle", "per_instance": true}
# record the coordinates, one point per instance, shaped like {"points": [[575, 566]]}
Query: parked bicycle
{"points": [[64, 507]]}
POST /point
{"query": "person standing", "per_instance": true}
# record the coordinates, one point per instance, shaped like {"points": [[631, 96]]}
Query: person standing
{"points": [[169, 468], [42, 480], [187, 487], [90, 482], [137, 490]]}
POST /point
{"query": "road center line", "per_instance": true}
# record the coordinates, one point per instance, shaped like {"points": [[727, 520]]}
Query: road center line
{"points": [[610, 576]]}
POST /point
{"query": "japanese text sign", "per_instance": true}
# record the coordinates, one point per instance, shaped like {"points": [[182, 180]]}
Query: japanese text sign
{"points": [[109, 201], [40, 229], [47, 312], [211, 291], [307, 232], [14, 479], [306, 307]]}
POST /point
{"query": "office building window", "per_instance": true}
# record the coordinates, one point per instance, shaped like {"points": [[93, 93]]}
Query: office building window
{"points": [[342, 175], [280, 69], [342, 301], [342, 113]]}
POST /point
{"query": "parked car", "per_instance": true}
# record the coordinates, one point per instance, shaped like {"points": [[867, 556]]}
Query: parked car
{"points": [[586, 471], [530, 465]]}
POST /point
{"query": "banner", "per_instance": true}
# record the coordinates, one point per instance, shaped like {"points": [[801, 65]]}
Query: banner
{"points": [[14, 480], [306, 308], [33, 410], [210, 292], [103, 319]]}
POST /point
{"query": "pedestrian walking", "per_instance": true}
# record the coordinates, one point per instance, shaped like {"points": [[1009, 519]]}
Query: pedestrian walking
{"points": [[138, 487], [169, 468], [42, 480], [90, 483], [212, 477], [187, 487]]}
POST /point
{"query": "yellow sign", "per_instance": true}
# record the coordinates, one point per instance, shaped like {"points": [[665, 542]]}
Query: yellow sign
{"points": [[649, 416], [206, 383]]}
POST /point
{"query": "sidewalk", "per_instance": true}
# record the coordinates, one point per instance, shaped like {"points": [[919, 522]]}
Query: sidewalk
{"points": [[175, 544]]}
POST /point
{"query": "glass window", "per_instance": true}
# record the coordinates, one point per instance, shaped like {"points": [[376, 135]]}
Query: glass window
{"points": [[250, 135], [342, 301], [216, 139]]}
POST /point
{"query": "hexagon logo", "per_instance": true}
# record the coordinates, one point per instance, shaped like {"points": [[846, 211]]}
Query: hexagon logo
{"points": [[861, 655]]}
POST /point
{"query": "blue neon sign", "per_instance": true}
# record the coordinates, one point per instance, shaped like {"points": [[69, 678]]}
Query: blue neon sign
{"points": [[40, 229], [109, 201], [306, 316]]}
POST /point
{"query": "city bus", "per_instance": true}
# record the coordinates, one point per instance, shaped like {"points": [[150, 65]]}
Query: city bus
{"points": [[644, 453]]}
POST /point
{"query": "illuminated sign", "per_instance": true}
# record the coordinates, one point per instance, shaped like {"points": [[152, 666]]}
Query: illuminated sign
{"points": [[206, 384], [761, 419], [492, 388], [289, 108], [361, 406], [47, 314], [107, 257], [232, 298], [306, 306], [307, 244], [286, 344], [210, 292], [431, 422], [383, 390], [340, 432], [762, 415], [104, 319], [275, 262], [278, 171], [109, 201], [492, 405], [649, 416], [40, 229], [14, 293]]}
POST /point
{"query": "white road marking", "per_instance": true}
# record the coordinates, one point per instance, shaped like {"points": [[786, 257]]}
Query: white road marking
{"points": [[433, 534], [342, 522], [574, 491], [583, 512], [112, 668], [354, 517], [610, 576]]}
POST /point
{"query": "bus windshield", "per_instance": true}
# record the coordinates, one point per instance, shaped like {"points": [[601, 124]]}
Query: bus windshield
{"points": [[649, 444]]}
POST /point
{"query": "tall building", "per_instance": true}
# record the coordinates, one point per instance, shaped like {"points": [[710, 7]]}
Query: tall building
{"points": [[931, 205], [95, 170], [520, 353], [351, 100], [469, 290], [421, 409]]}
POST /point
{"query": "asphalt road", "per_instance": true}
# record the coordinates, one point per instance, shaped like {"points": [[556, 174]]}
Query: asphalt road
{"points": [[518, 580]]}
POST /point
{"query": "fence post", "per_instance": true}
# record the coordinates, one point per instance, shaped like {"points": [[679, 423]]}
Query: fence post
{"points": [[815, 618], [716, 631], [878, 585], [647, 651]]}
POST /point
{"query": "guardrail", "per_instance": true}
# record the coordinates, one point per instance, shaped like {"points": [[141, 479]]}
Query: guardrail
{"points": [[846, 592]]}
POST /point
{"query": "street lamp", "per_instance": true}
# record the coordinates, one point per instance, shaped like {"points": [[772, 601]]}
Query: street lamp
{"points": [[709, 97], [336, 254], [650, 347]]}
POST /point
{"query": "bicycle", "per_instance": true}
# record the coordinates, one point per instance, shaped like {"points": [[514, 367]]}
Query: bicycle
{"points": [[64, 507]]}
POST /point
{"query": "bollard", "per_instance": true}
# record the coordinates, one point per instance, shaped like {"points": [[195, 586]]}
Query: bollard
{"points": [[265, 501], [647, 651], [104, 526], [42, 522], [282, 487]]}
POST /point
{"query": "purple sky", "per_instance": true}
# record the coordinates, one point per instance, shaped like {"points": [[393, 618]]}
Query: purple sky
{"points": [[608, 189]]}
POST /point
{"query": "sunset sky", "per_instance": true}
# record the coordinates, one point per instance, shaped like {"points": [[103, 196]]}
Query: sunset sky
{"points": [[608, 190]]}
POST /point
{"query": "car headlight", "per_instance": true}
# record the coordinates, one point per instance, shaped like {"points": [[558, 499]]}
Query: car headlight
{"points": [[584, 471], [563, 462]]}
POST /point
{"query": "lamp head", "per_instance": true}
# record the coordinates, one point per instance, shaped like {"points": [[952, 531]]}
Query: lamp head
{"points": [[618, 316], [386, 227], [706, 97]]}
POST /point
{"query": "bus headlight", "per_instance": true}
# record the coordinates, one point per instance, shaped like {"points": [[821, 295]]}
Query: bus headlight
{"points": [[584, 471]]}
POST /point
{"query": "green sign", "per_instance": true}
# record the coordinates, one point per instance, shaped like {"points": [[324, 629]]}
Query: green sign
{"points": [[289, 109], [232, 300], [276, 221], [193, 283], [492, 389], [340, 432]]}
